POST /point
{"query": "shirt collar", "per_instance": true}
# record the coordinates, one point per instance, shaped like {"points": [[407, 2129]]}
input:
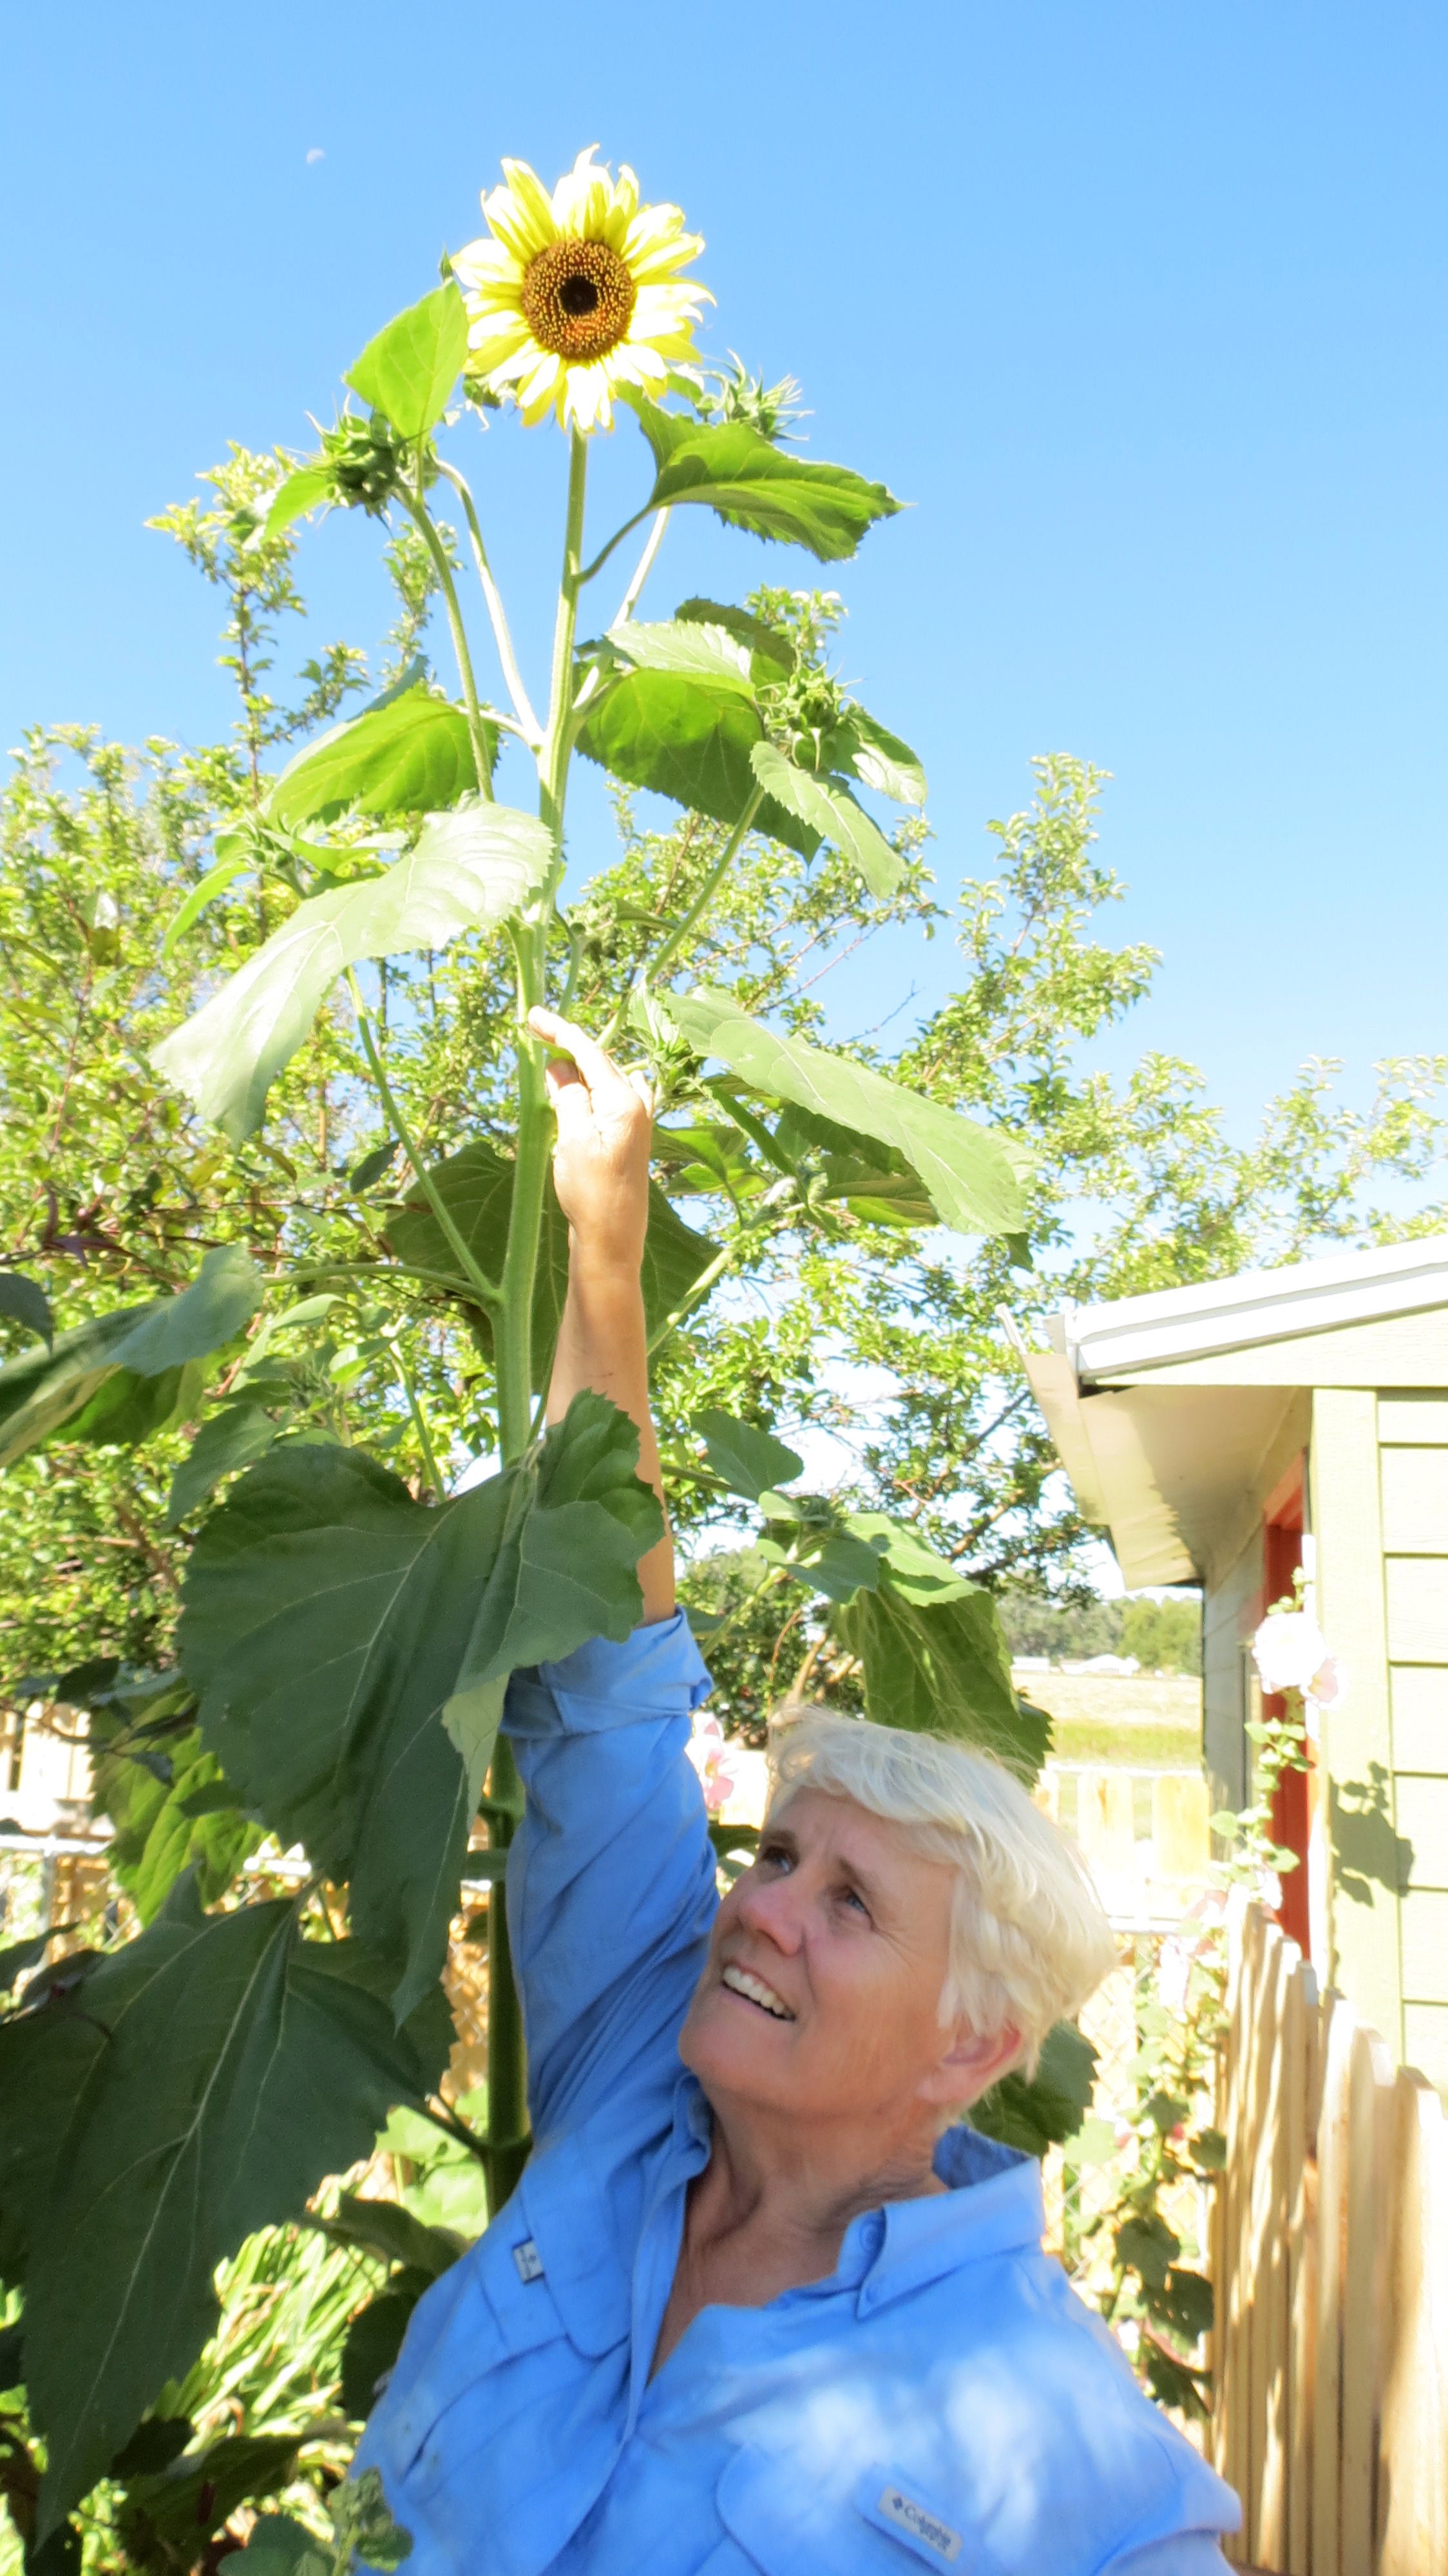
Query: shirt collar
{"points": [[991, 2205]]}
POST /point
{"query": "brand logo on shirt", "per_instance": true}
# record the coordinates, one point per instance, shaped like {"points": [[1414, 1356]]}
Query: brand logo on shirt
{"points": [[528, 2260], [922, 2525]]}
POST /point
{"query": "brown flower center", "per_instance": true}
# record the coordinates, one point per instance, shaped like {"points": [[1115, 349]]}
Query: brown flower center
{"points": [[578, 299]]}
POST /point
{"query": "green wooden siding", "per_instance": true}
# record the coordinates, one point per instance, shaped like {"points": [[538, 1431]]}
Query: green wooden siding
{"points": [[1425, 2041], [1420, 1717], [1414, 1418], [1357, 1737], [1417, 1592], [1421, 1814], [1415, 1495], [1413, 1438]]}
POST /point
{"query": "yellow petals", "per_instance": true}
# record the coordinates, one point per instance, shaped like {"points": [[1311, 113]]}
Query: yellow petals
{"points": [[561, 329]]}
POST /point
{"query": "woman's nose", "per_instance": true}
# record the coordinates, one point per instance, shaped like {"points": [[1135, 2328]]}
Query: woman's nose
{"points": [[771, 1906]]}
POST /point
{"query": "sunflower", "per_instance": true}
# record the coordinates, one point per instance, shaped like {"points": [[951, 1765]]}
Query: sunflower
{"points": [[573, 295]]}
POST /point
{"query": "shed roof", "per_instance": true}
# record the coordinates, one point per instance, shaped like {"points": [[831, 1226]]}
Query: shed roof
{"points": [[1171, 1411]]}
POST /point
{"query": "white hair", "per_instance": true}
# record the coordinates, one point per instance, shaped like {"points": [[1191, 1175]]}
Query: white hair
{"points": [[1028, 1941]]}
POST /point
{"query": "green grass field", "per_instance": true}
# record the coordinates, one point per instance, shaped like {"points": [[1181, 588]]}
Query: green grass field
{"points": [[1146, 1722]]}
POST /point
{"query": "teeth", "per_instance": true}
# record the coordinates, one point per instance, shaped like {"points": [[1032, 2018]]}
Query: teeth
{"points": [[755, 1991]]}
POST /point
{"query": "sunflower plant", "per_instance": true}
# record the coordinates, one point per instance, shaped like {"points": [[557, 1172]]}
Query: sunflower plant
{"points": [[296, 1798]]}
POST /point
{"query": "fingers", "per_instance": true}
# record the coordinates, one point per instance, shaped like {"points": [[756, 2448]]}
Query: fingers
{"points": [[598, 1069], [560, 1073], [572, 1106]]}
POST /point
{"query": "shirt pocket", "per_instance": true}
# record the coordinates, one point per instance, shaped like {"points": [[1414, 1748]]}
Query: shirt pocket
{"points": [[562, 2242], [785, 2519]]}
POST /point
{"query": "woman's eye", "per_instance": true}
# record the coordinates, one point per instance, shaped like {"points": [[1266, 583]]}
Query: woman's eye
{"points": [[773, 1856], [851, 1896]]}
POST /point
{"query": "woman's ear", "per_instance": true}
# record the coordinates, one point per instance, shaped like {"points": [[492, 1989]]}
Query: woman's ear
{"points": [[969, 2065]]}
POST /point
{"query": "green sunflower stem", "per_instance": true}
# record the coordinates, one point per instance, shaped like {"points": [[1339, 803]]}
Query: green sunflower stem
{"points": [[643, 568], [422, 520], [431, 1468], [508, 2140], [483, 1287], [664, 956], [513, 1333], [710, 887], [707, 1279], [502, 634], [560, 689], [601, 558]]}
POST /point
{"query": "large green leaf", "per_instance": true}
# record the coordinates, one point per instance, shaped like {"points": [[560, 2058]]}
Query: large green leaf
{"points": [[577, 1520], [232, 1437], [476, 1186], [878, 757], [45, 1391], [917, 1572], [942, 1667], [308, 487], [732, 469], [690, 738], [330, 1621], [471, 869], [766, 643], [873, 1180], [964, 1168], [128, 1408], [279, 2546], [691, 646], [411, 754], [181, 2506], [751, 1462], [374, 2340], [45, 2055], [171, 1811], [386, 2229], [409, 370], [874, 1190], [225, 2066], [829, 809], [1037, 2112], [837, 1565], [707, 1159], [326, 1621], [209, 887], [26, 1301]]}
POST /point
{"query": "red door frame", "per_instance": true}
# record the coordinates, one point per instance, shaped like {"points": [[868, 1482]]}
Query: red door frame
{"points": [[1282, 1521]]}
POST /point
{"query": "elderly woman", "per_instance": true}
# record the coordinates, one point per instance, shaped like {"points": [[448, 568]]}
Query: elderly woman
{"points": [[762, 2300]]}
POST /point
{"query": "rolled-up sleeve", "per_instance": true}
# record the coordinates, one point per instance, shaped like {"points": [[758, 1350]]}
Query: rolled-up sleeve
{"points": [[611, 1889]]}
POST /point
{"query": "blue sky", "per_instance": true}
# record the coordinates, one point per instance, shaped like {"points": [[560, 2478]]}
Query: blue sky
{"points": [[1139, 305]]}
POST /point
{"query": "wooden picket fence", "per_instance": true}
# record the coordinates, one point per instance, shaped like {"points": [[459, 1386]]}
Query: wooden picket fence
{"points": [[1330, 2259]]}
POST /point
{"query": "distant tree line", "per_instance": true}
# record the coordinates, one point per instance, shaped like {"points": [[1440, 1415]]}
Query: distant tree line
{"points": [[1164, 1636]]}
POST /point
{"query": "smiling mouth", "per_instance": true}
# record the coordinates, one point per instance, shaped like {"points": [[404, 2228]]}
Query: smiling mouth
{"points": [[741, 1981]]}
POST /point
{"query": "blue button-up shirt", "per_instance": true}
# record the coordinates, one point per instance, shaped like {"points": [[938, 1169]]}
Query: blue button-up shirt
{"points": [[943, 2399]]}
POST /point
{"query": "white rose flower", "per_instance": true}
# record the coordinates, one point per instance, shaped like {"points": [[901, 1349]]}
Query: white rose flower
{"points": [[1291, 1653]]}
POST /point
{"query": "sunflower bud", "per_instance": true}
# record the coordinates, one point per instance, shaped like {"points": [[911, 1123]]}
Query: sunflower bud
{"points": [[366, 461]]}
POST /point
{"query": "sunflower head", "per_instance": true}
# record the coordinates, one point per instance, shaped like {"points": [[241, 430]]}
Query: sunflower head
{"points": [[570, 296]]}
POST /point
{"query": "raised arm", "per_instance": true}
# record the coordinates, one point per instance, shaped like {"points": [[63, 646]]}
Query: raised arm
{"points": [[601, 1174], [611, 1877]]}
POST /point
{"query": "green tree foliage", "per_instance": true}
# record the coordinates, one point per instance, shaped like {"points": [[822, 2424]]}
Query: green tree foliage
{"points": [[1164, 1636]]}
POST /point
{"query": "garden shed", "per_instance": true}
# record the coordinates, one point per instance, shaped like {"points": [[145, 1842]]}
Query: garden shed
{"points": [[1224, 1435]]}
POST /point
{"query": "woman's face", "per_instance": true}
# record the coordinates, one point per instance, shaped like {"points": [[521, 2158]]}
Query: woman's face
{"points": [[821, 1995]]}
